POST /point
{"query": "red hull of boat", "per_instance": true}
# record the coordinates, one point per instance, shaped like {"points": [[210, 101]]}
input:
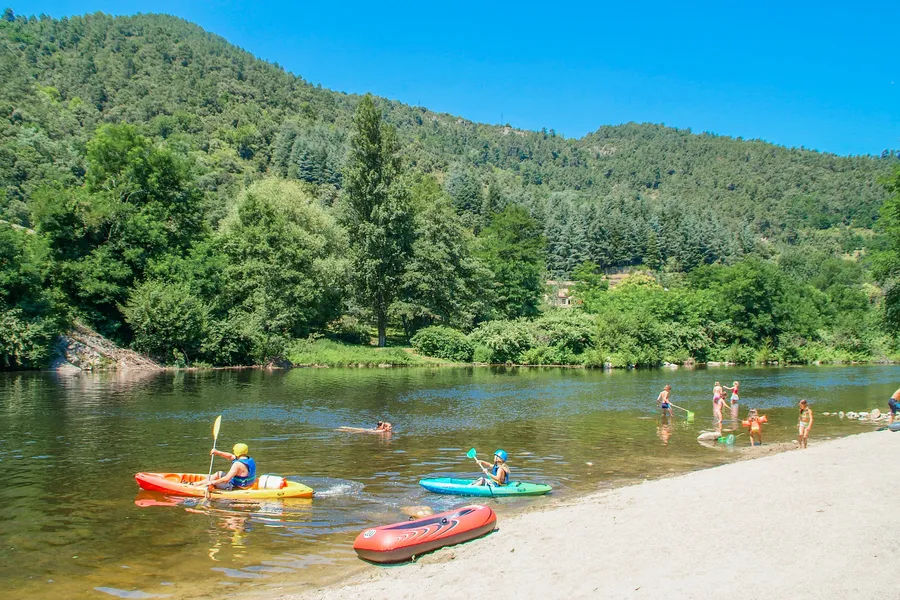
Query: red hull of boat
{"points": [[402, 541]]}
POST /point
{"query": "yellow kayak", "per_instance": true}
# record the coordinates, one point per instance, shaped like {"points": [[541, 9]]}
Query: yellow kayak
{"points": [[183, 484]]}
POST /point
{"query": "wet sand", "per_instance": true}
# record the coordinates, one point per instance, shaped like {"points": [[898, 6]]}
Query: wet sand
{"points": [[815, 523]]}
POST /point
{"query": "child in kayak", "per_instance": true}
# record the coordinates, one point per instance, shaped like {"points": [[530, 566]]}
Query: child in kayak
{"points": [[804, 423], [383, 426], [499, 473], [662, 401], [242, 474]]}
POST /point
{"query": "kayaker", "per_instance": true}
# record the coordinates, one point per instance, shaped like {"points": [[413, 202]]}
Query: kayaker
{"points": [[383, 426], [242, 474], [499, 473]]}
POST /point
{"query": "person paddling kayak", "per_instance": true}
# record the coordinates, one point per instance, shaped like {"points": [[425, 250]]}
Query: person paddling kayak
{"points": [[242, 474], [499, 473]]}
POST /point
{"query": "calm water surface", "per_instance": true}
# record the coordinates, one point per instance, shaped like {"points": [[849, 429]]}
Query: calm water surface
{"points": [[74, 525]]}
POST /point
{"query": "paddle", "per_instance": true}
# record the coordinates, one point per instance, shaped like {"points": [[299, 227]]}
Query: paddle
{"points": [[216, 427], [690, 415], [471, 454]]}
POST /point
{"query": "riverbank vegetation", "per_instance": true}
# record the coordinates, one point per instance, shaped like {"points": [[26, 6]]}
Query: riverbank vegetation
{"points": [[192, 202]]}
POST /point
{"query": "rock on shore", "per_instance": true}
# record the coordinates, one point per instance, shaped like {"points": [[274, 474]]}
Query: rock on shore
{"points": [[83, 349]]}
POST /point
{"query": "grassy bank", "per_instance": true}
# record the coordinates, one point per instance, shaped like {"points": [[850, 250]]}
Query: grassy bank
{"points": [[326, 353]]}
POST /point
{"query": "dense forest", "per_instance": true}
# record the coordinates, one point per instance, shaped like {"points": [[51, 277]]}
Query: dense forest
{"points": [[185, 198]]}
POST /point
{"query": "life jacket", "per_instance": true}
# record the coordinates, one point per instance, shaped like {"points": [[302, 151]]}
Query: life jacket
{"points": [[250, 479], [495, 472]]}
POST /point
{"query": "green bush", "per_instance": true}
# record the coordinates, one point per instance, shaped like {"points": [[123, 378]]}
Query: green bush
{"points": [[168, 321], [573, 331], [507, 340], [443, 342], [483, 354], [25, 343], [548, 355], [349, 330]]}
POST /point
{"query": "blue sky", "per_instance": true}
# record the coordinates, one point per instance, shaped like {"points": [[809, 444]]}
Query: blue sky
{"points": [[822, 75]]}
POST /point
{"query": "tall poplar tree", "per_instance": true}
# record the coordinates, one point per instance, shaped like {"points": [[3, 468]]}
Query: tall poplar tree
{"points": [[377, 213]]}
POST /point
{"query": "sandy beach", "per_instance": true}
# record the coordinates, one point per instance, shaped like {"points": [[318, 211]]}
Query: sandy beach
{"points": [[813, 523]]}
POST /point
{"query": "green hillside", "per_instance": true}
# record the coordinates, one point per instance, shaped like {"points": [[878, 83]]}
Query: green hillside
{"points": [[214, 119]]}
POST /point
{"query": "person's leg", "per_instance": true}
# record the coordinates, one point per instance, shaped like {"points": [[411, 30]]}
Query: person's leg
{"points": [[734, 410]]}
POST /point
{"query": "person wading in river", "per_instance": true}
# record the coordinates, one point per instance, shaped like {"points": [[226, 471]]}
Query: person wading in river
{"points": [[734, 399]]}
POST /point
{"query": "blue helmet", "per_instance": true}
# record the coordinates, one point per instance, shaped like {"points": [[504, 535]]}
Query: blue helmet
{"points": [[502, 454]]}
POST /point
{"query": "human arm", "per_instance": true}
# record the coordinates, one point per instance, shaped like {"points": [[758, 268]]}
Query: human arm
{"points": [[225, 455], [232, 472]]}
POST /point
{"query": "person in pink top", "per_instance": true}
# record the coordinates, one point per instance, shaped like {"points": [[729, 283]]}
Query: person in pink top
{"points": [[718, 403], [734, 399]]}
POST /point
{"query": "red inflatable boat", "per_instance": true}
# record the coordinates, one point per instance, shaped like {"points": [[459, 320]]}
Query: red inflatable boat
{"points": [[402, 541]]}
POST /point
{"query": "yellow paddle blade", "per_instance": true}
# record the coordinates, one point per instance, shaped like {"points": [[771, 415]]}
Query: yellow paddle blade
{"points": [[216, 426]]}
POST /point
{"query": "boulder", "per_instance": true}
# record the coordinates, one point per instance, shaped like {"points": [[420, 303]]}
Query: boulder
{"points": [[417, 512], [841, 414], [874, 414]]}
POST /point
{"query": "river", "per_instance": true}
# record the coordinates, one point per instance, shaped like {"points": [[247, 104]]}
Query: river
{"points": [[74, 524]]}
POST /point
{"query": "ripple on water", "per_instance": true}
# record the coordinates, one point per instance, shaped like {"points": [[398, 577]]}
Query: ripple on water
{"points": [[134, 594]]}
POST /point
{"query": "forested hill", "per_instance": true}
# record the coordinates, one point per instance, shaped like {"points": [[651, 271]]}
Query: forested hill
{"points": [[241, 118]]}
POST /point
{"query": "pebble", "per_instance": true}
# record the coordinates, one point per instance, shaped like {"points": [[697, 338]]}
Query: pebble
{"points": [[841, 415], [590, 464]]}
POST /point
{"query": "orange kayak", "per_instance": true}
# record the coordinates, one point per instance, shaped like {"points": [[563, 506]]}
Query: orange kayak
{"points": [[181, 484], [401, 541]]}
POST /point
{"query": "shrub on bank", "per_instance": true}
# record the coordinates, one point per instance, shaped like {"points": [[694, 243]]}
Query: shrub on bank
{"points": [[482, 354], [507, 340], [443, 342]]}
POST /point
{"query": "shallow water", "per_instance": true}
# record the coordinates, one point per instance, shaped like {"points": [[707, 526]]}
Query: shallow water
{"points": [[74, 524]]}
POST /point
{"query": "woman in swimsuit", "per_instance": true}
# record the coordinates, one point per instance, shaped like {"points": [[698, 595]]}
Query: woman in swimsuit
{"points": [[804, 423], [718, 402], [734, 399], [662, 401]]}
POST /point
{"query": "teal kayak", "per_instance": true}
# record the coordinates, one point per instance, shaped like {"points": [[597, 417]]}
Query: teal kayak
{"points": [[464, 487]]}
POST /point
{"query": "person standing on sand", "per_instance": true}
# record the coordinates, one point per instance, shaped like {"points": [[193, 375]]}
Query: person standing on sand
{"points": [[718, 403], [734, 399], [894, 405], [662, 401], [804, 423]]}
